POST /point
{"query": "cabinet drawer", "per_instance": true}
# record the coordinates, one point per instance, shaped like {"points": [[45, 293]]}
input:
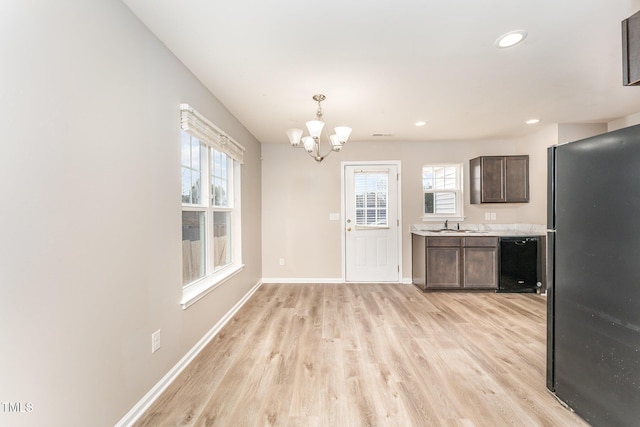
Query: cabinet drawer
{"points": [[480, 242], [443, 241]]}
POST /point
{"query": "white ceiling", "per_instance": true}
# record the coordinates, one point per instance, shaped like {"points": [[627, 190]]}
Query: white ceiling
{"points": [[385, 64]]}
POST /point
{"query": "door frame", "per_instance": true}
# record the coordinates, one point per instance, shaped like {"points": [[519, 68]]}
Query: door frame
{"points": [[343, 211]]}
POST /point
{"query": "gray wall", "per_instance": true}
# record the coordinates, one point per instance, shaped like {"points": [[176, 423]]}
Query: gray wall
{"points": [[90, 244], [297, 199]]}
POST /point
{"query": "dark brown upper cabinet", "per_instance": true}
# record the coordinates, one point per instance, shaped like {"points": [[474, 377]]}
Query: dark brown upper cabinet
{"points": [[499, 179], [631, 50]]}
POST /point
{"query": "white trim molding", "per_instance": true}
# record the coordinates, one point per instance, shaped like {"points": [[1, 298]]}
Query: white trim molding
{"points": [[319, 280], [301, 280], [196, 291]]}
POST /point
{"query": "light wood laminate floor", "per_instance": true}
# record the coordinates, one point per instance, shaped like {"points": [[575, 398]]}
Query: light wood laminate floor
{"points": [[370, 355]]}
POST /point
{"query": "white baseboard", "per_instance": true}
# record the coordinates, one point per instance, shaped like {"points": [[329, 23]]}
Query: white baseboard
{"points": [[307, 280], [144, 404], [300, 280]]}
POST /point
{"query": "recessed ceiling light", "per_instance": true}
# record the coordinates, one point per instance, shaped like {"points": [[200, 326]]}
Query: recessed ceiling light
{"points": [[532, 121], [511, 38], [421, 123]]}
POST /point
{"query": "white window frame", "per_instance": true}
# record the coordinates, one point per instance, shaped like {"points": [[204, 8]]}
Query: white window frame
{"points": [[458, 215], [213, 139]]}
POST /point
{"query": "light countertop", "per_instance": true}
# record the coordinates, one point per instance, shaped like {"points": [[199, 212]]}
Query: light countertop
{"points": [[470, 230]]}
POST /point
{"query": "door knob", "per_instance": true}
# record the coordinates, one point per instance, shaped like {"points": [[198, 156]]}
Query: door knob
{"points": [[348, 228]]}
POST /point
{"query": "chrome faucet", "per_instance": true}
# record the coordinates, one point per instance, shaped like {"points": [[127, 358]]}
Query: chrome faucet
{"points": [[446, 224]]}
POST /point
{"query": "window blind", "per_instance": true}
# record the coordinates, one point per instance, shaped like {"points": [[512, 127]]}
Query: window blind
{"points": [[371, 191], [197, 125]]}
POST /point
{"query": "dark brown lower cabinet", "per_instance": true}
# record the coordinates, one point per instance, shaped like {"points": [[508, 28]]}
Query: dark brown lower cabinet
{"points": [[441, 263]]}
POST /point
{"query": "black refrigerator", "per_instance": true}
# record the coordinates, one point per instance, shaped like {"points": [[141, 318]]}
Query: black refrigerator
{"points": [[593, 292]]}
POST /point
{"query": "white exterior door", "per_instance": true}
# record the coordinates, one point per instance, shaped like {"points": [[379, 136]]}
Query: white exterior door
{"points": [[371, 222]]}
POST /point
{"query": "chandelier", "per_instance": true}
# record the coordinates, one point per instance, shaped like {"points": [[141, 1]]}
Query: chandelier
{"points": [[311, 143]]}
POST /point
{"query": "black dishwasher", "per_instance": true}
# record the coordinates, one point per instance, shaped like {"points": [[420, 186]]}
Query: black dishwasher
{"points": [[519, 264]]}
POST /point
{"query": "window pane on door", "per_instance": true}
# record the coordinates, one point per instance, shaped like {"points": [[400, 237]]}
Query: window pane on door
{"points": [[371, 191], [193, 248]]}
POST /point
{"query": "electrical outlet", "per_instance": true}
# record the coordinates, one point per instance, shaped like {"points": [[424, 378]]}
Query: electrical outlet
{"points": [[493, 216], [281, 261], [155, 341], [487, 216]]}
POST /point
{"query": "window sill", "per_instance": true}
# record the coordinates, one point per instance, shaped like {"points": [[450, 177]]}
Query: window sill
{"points": [[199, 289]]}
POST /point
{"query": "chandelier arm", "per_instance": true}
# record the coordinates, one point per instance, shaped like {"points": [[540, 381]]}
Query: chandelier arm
{"points": [[315, 153], [326, 135], [316, 157]]}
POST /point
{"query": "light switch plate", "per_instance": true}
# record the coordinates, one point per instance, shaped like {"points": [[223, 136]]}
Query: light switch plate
{"points": [[334, 216], [155, 341]]}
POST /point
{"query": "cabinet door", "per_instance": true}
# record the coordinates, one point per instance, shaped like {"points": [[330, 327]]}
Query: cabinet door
{"points": [[481, 268], [443, 267], [493, 179], [517, 179]]}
